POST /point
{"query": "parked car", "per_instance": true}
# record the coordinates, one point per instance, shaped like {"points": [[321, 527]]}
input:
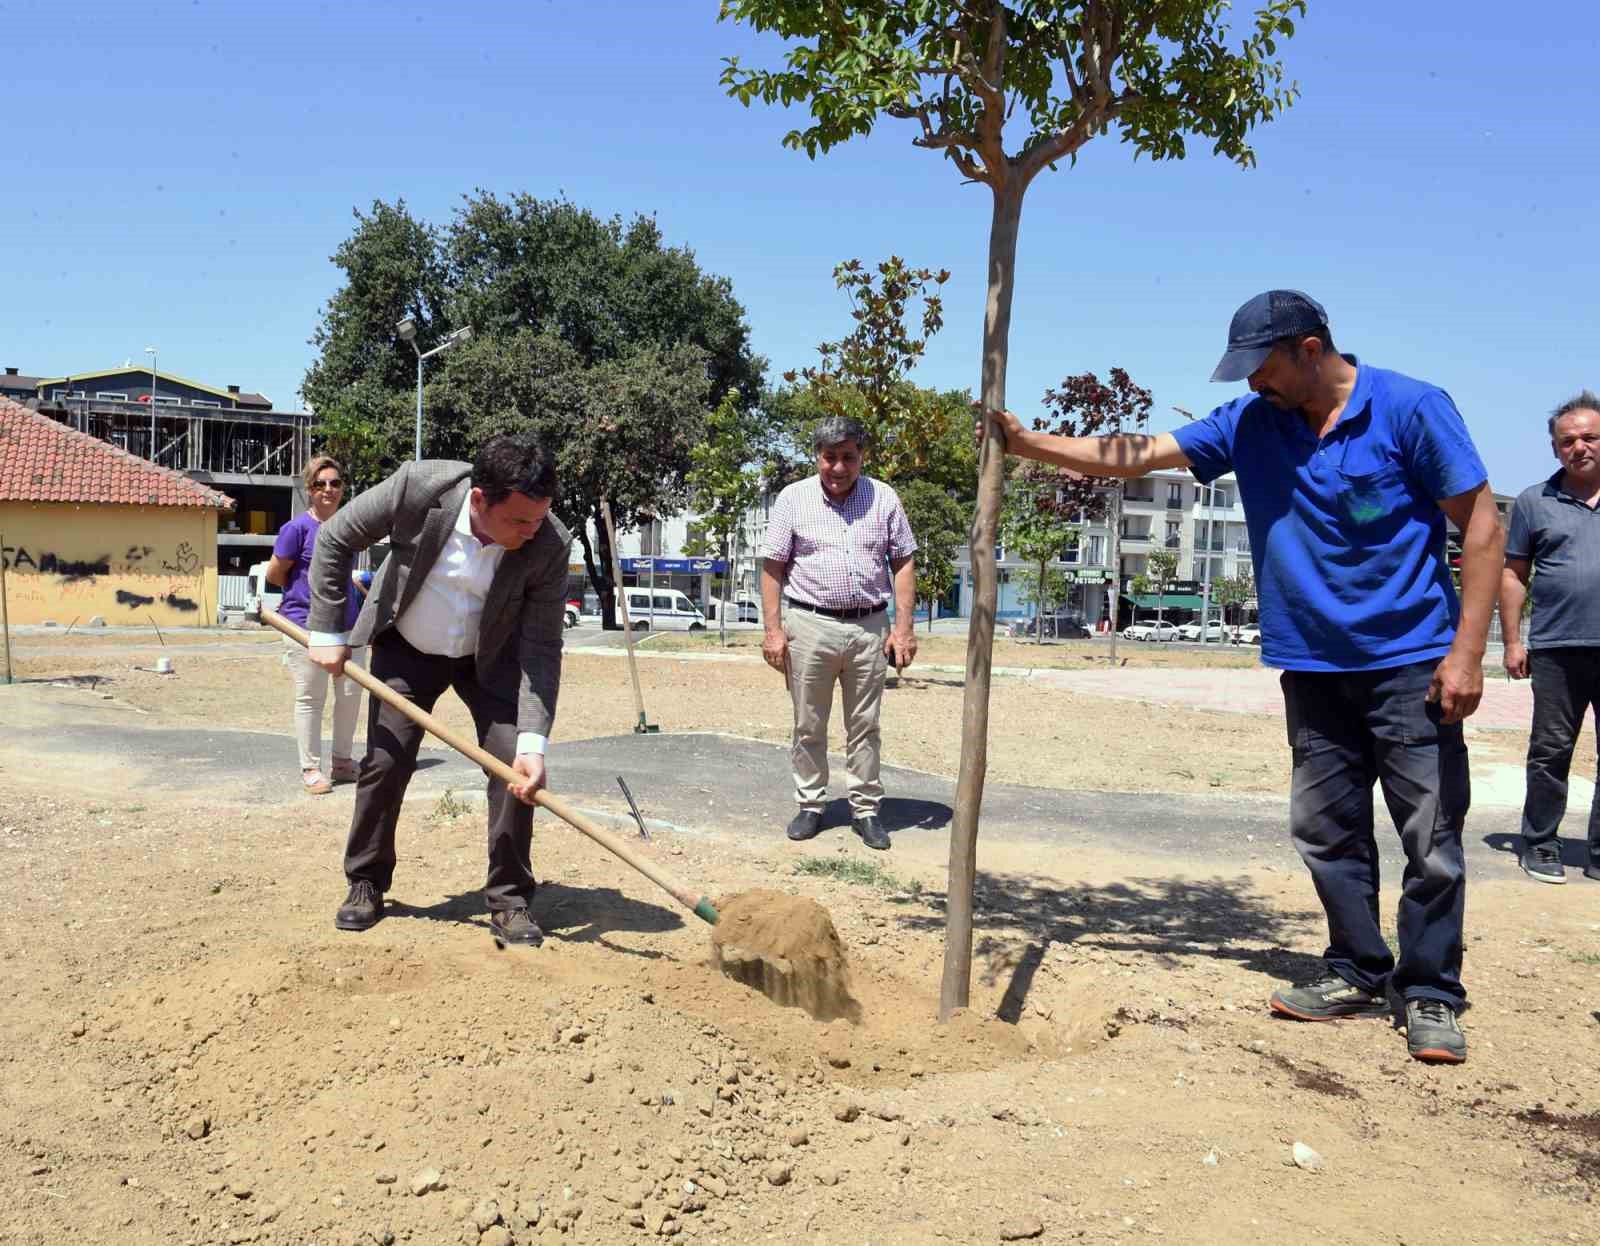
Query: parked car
{"points": [[1249, 634], [574, 610], [1150, 630], [665, 610], [1214, 632], [1062, 625]]}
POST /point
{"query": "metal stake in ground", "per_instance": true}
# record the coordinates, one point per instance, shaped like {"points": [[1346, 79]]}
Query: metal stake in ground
{"points": [[643, 726]]}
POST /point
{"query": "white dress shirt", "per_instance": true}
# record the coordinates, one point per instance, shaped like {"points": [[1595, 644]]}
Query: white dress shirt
{"points": [[444, 614]]}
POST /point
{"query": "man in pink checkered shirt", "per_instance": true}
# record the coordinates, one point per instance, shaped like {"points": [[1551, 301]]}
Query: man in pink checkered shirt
{"points": [[837, 545]]}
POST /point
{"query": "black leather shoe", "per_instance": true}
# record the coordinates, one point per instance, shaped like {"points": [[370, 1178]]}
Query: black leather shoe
{"points": [[515, 926], [362, 908], [1592, 870], [871, 831], [806, 824]]}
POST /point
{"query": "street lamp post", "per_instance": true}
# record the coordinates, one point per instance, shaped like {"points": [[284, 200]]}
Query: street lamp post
{"points": [[407, 329], [151, 351]]}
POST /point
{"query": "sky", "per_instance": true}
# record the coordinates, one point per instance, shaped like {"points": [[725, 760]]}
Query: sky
{"points": [[181, 170]]}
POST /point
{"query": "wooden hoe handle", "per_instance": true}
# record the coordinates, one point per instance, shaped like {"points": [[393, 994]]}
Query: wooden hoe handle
{"points": [[696, 902]]}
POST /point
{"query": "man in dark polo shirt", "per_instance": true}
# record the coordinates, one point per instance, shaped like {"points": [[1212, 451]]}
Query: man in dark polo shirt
{"points": [[1555, 536], [1347, 472]]}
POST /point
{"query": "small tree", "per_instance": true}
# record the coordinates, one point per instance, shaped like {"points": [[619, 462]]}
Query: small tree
{"points": [[1037, 524], [1139, 586], [1044, 589], [1161, 568], [1155, 71], [723, 486], [1231, 591]]}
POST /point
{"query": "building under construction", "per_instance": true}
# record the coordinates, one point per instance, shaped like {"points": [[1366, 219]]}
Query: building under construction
{"points": [[226, 438]]}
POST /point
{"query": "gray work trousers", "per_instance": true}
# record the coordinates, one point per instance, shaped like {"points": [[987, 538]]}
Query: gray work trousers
{"points": [[824, 651]]}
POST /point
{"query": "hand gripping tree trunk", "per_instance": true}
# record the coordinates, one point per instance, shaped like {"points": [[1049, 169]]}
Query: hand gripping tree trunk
{"points": [[955, 988]]}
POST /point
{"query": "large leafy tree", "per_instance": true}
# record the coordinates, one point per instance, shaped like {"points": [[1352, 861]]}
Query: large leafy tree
{"points": [[606, 287], [1156, 72], [622, 429], [591, 331], [393, 267]]}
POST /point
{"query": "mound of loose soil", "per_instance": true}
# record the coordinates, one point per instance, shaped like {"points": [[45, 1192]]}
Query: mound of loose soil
{"points": [[786, 947]]}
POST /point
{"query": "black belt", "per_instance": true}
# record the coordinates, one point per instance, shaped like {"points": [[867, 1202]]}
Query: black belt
{"points": [[855, 612]]}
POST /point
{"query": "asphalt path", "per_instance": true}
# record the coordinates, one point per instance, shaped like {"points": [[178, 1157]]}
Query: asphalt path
{"points": [[699, 783]]}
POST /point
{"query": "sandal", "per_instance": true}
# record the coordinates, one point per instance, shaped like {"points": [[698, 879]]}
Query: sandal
{"points": [[315, 784]]}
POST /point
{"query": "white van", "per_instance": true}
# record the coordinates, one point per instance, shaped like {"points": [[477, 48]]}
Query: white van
{"points": [[261, 593], [665, 609]]}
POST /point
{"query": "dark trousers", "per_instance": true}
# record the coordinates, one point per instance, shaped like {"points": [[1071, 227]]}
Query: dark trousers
{"points": [[392, 744], [1566, 682], [1350, 730]]}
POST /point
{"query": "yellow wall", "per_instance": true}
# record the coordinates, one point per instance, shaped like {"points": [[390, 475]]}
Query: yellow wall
{"points": [[129, 564]]}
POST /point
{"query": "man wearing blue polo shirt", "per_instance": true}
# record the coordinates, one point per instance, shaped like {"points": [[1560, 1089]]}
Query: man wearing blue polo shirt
{"points": [[1347, 473]]}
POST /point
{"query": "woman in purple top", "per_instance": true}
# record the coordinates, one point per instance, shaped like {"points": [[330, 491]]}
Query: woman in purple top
{"points": [[289, 569]]}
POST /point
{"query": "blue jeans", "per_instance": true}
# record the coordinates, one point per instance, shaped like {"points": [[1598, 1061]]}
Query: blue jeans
{"points": [[1349, 730], [1566, 682]]}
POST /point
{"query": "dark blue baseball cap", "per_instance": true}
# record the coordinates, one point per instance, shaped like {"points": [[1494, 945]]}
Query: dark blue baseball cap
{"points": [[1263, 321]]}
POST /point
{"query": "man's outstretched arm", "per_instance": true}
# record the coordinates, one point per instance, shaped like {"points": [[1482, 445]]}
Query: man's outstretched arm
{"points": [[1122, 454]]}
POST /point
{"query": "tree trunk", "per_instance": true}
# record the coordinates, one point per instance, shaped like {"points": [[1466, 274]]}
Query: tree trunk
{"points": [[606, 584], [595, 565], [955, 989], [1038, 606]]}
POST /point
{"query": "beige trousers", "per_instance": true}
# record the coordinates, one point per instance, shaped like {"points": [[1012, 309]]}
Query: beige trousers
{"points": [[823, 651], [311, 694]]}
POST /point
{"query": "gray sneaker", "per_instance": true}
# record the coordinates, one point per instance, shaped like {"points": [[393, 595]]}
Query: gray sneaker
{"points": [[1328, 999], [1542, 863], [1432, 1033]]}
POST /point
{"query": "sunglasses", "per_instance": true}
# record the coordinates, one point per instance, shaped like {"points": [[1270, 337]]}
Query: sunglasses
{"points": [[335, 483]]}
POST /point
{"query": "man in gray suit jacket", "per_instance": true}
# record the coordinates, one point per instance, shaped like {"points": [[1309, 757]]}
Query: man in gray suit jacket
{"points": [[471, 597]]}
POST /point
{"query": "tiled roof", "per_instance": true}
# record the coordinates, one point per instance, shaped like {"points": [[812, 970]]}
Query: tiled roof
{"points": [[43, 461]]}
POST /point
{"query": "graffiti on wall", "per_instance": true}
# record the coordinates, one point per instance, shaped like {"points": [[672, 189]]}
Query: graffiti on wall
{"points": [[18, 558], [46, 576]]}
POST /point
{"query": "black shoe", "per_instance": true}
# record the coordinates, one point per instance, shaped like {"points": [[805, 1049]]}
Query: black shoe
{"points": [[362, 908], [1592, 870], [515, 926], [1327, 999], [1542, 863], [871, 831], [1432, 1033], [806, 824]]}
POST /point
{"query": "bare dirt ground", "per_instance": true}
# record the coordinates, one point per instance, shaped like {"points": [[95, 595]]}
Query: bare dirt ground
{"points": [[190, 1053]]}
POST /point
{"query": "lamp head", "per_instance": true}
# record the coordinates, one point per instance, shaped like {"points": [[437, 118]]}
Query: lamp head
{"points": [[407, 329]]}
